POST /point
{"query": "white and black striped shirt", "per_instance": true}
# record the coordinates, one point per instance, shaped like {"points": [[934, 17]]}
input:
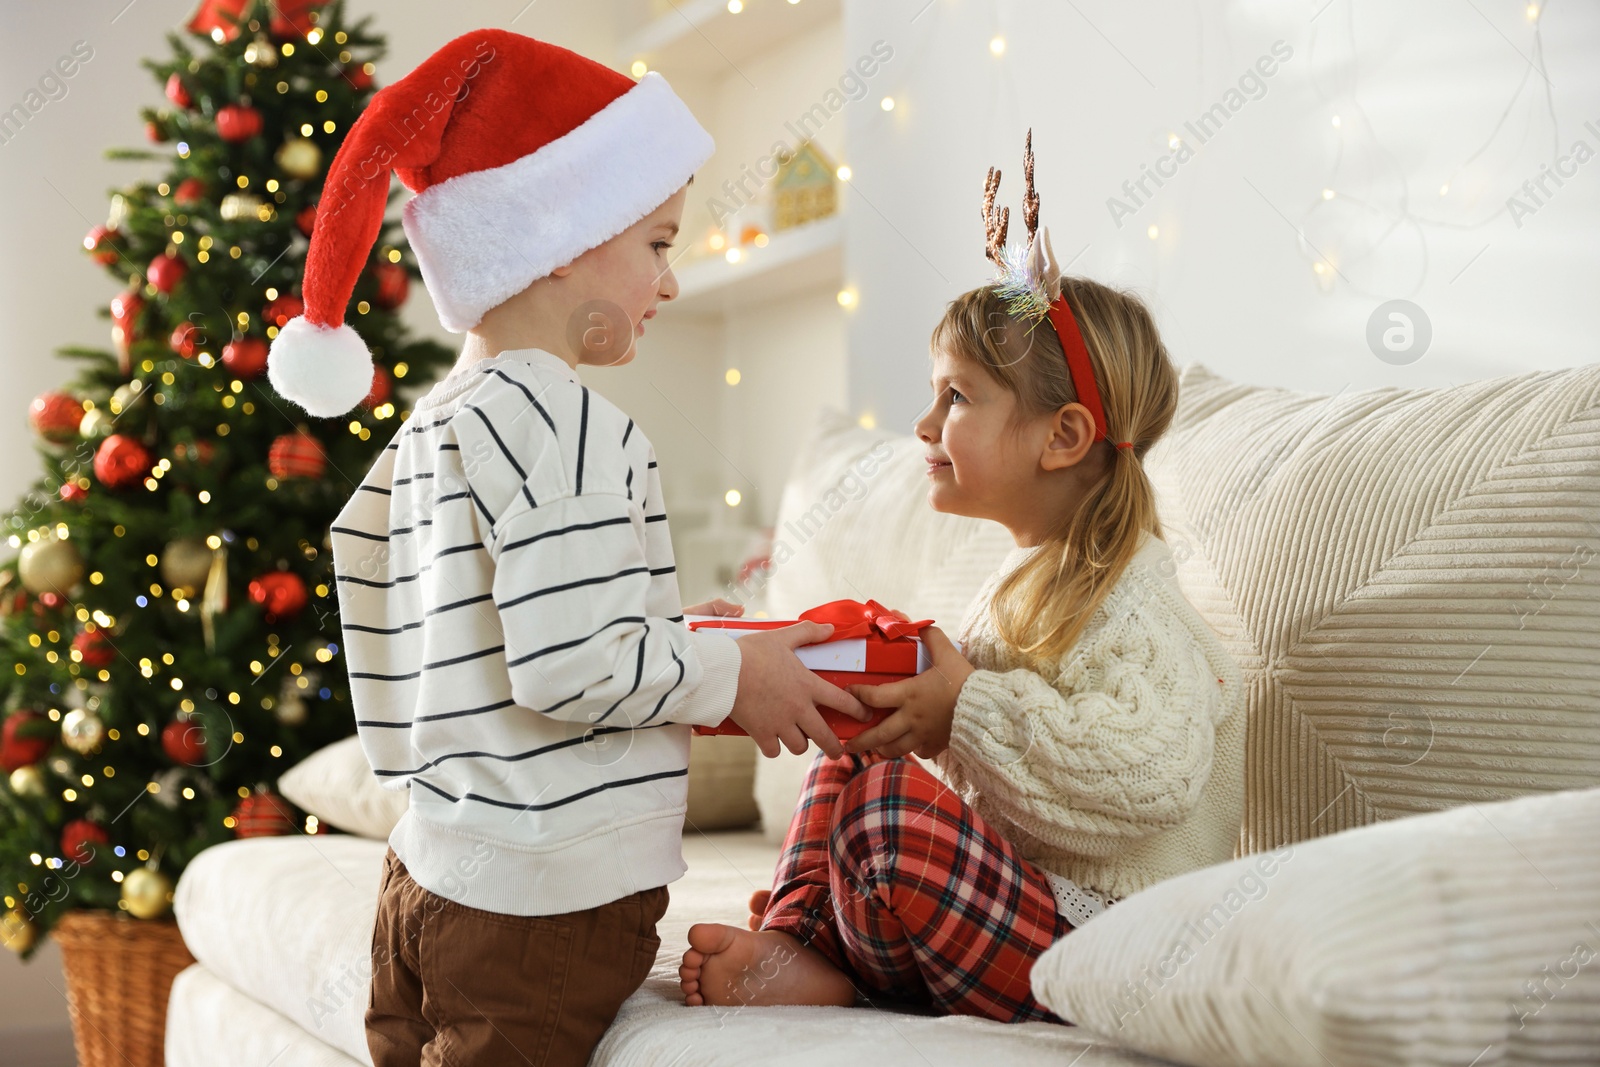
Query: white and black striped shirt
{"points": [[516, 647]]}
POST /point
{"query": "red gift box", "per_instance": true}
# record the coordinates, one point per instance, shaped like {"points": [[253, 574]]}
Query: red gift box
{"points": [[871, 645]]}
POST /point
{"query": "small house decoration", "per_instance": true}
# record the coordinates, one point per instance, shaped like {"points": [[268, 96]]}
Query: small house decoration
{"points": [[804, 189]]}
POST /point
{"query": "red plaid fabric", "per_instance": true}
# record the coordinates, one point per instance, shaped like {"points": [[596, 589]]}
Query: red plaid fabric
{"points": [[888, 873]]}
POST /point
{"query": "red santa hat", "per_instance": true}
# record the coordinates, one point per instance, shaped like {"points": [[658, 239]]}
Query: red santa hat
{"points": [[523, 156]]}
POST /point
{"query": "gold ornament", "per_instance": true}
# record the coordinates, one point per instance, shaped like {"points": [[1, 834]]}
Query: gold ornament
{"points": [[146, 893], [94, 423], [261, 53], [125, 395], [50, 565], [17, 931], [236, 207], [82, 731], [28, 781], [300, 158], [185, 564], [215, 600]]}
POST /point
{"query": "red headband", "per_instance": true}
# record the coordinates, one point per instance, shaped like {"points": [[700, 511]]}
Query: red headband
{"points": [[1078, 365]]}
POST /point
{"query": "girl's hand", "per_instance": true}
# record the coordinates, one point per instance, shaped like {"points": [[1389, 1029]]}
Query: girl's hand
{"points": [[718, 606], [926, 704]]}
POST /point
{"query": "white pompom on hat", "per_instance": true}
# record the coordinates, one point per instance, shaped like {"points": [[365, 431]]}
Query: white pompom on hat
{"points": [[523, 155]]}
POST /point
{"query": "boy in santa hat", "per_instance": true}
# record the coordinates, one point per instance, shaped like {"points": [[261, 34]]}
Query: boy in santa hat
{"points": [[511, 619]]}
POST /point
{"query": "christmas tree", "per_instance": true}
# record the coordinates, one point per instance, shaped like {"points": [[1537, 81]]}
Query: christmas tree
{"points": [[170, 611]]}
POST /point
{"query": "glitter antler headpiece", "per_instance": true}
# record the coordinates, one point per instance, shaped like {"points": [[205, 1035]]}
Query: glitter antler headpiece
{"points": [[1029, 279]]}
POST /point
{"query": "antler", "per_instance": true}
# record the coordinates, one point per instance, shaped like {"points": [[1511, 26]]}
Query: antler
{"points": [[995, 223], [1030, 198]]}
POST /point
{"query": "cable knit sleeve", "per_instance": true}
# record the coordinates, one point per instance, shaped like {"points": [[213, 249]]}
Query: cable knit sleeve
{"points": [[1117, 745]]}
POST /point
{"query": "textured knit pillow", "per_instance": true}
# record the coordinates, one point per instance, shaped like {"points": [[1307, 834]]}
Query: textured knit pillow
{"points": [[1469, 936], [854, 522], [1408, 579]]}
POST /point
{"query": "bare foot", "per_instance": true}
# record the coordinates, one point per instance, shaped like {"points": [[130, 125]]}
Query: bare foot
{"points": [[758, 907], [725, 965]]}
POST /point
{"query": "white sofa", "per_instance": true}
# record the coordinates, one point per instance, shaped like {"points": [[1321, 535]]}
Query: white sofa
{"points": [[1405, 578]]}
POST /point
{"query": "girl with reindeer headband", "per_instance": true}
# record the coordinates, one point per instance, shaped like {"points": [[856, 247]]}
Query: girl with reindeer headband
{"points": [[1087, 744]]}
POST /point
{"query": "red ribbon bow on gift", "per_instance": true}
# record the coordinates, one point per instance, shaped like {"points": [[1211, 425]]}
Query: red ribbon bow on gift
{"points": [[852, 618]]}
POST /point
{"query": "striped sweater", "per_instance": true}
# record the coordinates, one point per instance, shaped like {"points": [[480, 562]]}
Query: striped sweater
{"points": [[516, 647]]}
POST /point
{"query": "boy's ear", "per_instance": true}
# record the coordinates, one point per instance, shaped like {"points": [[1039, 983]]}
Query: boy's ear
{"points": [[561, 272]]}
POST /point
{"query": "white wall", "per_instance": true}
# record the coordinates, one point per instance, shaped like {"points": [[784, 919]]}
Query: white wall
{"points": [[1418, 87]]}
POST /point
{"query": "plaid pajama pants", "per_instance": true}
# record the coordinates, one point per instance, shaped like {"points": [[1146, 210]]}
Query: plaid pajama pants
{"points": [[889, 874]]}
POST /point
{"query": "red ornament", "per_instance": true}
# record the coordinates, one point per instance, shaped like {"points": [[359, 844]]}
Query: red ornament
{"points": [[187, 338], [125, 311], [245, 357], [95, 649], [306, 220], [289, 17], [79, 839], [120, 461], [238, 122], [380, 388], [166, 271], [264, 814], [184, 741], [297, 455], [46, 603], [55, 416], [101, 246], [189, 191], [357, 77], [177, 92], [154, 133], [25, 738], [281, 310], [281, 594], [72, 492], [393, 283]]}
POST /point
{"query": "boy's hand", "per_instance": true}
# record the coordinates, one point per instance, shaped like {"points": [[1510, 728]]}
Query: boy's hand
{"points": [[926, 703], [777, 697], [718, 606]]}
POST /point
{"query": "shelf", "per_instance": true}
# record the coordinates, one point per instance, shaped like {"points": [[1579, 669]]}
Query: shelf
{"points": [[806, 257], [703, 38]]}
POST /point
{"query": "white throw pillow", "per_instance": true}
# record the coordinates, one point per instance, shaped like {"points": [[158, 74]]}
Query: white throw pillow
{"points": [[1458, 937], [336, 784]]}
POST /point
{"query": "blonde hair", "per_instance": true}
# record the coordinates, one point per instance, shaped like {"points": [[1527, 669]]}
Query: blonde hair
{"points": [[1041, 608]]}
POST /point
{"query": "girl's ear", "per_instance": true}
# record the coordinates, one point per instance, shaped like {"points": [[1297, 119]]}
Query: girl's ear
{"points": [[561, 272], [1071, 437]]}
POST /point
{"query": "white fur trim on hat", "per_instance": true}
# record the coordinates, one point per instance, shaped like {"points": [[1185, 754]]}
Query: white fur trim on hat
{"points": [[326, 371], [481, 238]]}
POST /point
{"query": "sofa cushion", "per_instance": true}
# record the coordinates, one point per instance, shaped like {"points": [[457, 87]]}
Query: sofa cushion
{"points": [[1408, 578], [287, 921], [1465, 936]]}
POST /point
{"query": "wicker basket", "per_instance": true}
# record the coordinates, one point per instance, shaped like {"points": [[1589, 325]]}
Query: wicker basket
{"points": [[119, 971]]}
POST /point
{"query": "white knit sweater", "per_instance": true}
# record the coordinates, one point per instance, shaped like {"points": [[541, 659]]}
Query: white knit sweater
{"points": [[1122, 765]]}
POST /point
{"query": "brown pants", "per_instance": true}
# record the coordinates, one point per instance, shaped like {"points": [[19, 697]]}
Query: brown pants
{"points": [[454, 986]]}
